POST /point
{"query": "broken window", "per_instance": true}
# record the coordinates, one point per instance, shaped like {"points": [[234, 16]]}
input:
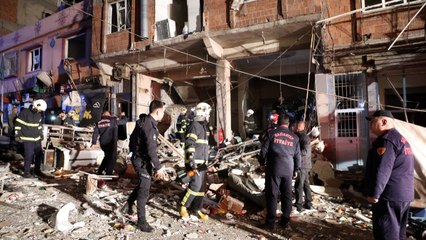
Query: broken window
{"points": [[34, 60], [10, 64], [380, 4], [119, 16], [76, 46]]}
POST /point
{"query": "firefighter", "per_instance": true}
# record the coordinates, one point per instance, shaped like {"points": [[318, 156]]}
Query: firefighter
{"points": [[181, 125], [273, 121], [29, 130], [280, 159], [389, 178], [143, 148], [196, 156], [107, 130], [302, 181], [249, 124]]}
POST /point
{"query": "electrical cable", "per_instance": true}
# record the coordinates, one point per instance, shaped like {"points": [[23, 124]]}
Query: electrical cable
{"points": [[247, 73]]}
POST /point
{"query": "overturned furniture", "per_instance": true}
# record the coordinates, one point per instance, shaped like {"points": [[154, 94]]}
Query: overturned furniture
{"points": [[68, 147]]}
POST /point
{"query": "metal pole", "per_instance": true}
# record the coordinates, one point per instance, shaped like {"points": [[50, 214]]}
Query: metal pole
{"points": [[404, 95], [408, 24], [2, 89]]}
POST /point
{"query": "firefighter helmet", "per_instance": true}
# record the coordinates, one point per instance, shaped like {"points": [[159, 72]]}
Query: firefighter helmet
{"points": [[40, 105], [202, 111]]}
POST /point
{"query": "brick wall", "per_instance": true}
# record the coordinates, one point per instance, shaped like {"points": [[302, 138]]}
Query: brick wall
{"points": [[120, 41], [8, 13], [383, 25], [257, 12]]}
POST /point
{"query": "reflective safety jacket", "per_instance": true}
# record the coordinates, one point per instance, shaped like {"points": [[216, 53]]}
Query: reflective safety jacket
{"points": [[181, 124], [196, 144], [28, 126], [250, 124]]}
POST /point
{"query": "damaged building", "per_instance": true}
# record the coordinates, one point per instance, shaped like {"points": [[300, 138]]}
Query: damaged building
{"points": [[329, 63]]}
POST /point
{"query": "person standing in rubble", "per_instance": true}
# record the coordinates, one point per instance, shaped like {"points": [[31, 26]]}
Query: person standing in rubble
{"points": [[69, 119], [280, 159], [143, 148], [249, 124], [302, 181], [196, 157], [389, 178], [273, 122], [181, 125], [28, 129], [107, 131]]}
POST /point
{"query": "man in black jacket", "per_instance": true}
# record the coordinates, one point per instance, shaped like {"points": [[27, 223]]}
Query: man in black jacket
{"points": [[280, 158], [302, 181], [107, 130], [143, 146], [29, 130]]}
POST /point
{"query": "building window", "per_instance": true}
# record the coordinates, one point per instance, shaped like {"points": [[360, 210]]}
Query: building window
{"points": [[76, 47], [9, 64], [34, 60], [119, 16], [381, 4]]}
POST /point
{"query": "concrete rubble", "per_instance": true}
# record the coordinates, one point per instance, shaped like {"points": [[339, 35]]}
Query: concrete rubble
{"points": [[60, 206]]}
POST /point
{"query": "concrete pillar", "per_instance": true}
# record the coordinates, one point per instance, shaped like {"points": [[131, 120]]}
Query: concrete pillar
{"points": [[141, 95], [242, 104], [223, 96]]}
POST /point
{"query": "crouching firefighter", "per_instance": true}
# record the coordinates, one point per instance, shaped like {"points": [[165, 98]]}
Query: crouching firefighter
{"points": [[143, 147], [196, 157]]}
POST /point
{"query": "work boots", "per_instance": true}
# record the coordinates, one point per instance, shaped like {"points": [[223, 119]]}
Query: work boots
{"points": [[184, 212], [144, 226], [202, 216]]}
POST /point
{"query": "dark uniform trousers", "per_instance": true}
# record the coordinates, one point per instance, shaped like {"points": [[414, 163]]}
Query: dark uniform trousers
{"points": [[110, 158], [32, 152], [389, 219], [141, 191], [302, 186], [274, 185], [193, 198]]}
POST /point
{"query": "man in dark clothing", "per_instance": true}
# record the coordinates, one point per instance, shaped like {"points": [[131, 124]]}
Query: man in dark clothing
{"points": [[196, 157], [249, 124], [29, 130], [302, 181], [143, 146], [11, 123], [107, 130], [389, 178], [280, 158], [181, 124]]}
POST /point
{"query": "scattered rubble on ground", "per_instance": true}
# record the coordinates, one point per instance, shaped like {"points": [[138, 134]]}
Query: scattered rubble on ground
{"points": [[80, 205]]}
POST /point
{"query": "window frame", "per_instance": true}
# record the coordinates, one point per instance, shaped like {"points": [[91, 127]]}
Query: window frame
{"points": [[72, 37], [120, 25], [9, 63], [31, 59], [387, 4]]}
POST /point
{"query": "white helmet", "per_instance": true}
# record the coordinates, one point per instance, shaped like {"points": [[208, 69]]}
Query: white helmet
{"points": [[250, 112], [40, 105], [202, 111]]}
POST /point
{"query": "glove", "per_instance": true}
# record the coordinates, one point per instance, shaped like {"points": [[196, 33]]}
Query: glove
{"points": [[160, 174]]}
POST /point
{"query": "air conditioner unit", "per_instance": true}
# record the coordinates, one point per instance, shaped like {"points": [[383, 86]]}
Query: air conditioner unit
{"points": [[121, 72], [165, 29]]}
